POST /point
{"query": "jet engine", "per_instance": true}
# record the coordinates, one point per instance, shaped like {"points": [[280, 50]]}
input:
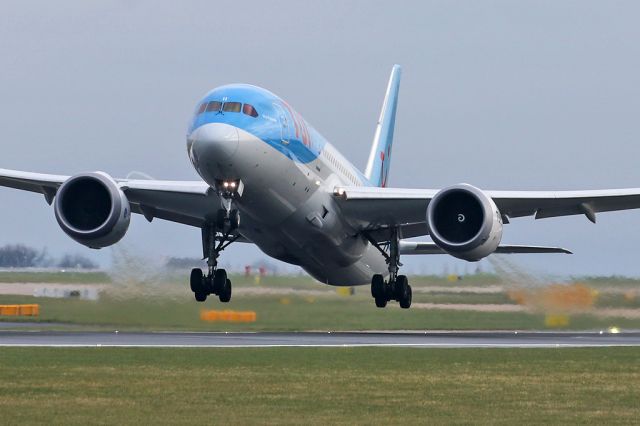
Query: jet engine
{"points": [[464, 222], [92, 209]]}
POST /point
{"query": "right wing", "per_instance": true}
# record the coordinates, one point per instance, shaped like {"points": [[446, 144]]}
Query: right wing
{"points": [[374, 210]]}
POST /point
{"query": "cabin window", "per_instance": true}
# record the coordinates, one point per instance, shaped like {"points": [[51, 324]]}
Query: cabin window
{"points": [[249, 110], [214, 106], [232, 107], [203, 106]]}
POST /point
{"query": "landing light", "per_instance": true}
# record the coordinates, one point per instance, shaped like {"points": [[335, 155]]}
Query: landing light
{"points": [[229, 188], [339, 192]]}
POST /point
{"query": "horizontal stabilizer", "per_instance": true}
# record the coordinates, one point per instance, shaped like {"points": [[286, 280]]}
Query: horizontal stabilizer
{"points": [[410, 247]]}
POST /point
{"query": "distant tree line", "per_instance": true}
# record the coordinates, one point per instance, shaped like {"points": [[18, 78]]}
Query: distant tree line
{"points": [[21, 256]]}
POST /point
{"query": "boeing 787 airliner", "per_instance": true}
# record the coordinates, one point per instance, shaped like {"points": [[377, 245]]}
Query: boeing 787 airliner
{"points": [[301, 201]]}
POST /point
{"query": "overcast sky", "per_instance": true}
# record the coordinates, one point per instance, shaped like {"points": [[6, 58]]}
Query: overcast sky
{"points": [[503, 95]]}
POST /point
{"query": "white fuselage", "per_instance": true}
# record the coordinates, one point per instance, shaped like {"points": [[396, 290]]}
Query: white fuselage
{"points": [[287, 207]]}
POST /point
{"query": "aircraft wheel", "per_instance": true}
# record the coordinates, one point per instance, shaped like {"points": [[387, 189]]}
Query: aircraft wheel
{"points": [[219, 281], [381, 302], [225, 294], [196, 280], [402, 283], [377, 286], [405, 303], [201, 297]]}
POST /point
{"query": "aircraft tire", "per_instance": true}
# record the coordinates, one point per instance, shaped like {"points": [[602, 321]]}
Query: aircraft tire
{"points": [[381, 302], [402, 284], [405, 303], [377, 286], [225, 294], [201, 297], [196, 280], [219, 281]]}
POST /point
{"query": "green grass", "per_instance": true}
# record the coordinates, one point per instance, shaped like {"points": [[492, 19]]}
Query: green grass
{"points": [[319, 386], [55, 277], [464, 298], [301, 313], [617, 301], [165, 303]]}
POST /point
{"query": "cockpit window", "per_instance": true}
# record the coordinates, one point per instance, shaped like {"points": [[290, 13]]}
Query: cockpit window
{"points": [[232, 107], [214, 106], [201, 108], [249, 110]]}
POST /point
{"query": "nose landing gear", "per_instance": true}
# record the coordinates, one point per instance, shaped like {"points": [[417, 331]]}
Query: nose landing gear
{"points": [[397, 288], [218, 234]]}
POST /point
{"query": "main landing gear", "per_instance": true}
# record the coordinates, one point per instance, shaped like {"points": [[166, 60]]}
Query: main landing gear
{"points": [[397, 288], [217, 235]]}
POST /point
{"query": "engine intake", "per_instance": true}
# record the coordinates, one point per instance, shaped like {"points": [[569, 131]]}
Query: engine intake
{"points": [[464, 222], [92, 209]]}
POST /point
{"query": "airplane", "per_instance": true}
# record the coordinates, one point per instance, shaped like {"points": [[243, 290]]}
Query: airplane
{"points": [[301, 201]]}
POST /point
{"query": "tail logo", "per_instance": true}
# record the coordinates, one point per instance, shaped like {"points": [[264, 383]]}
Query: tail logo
{"points": [[383, 174]]}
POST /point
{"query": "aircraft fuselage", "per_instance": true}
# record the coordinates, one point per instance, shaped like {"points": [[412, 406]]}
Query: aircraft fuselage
{"points": [[289, 172]]}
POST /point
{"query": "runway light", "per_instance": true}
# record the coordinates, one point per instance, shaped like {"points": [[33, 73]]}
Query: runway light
{"points": [[614, 330]]}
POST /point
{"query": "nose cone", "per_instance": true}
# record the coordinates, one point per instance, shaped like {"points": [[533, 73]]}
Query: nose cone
{"points": [[214, 141]]}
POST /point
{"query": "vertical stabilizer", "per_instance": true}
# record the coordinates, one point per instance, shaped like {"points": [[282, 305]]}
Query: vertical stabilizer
{"points": [[380, 157]]}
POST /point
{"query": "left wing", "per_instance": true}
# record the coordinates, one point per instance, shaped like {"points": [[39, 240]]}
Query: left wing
{"points": [[372, 209], [186, 202]]}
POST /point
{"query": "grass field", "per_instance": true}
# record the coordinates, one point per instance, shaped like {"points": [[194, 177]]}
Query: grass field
{"points": [[299, 313], [299, 303], [319, 386], [54, 277]]}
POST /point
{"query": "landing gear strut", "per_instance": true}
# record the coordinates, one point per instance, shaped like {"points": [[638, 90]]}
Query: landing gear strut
{"points": [[397, 288], [217, 234]]}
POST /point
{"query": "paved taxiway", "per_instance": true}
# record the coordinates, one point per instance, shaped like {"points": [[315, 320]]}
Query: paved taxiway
{"points": [[306, 339]]}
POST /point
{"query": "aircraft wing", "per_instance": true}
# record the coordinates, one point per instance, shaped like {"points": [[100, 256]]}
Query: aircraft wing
{"points": [[375, 209], [186, 202], [412, 247]]}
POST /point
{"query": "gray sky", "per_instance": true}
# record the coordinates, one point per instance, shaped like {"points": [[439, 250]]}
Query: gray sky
{"points": [[503, 95]]}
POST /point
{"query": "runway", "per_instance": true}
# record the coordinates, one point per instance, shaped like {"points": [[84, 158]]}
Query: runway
{"points": [[442, 339]]}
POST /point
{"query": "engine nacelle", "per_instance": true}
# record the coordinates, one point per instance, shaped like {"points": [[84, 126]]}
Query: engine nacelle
{"points": [[464, 222], [92, 209]]}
